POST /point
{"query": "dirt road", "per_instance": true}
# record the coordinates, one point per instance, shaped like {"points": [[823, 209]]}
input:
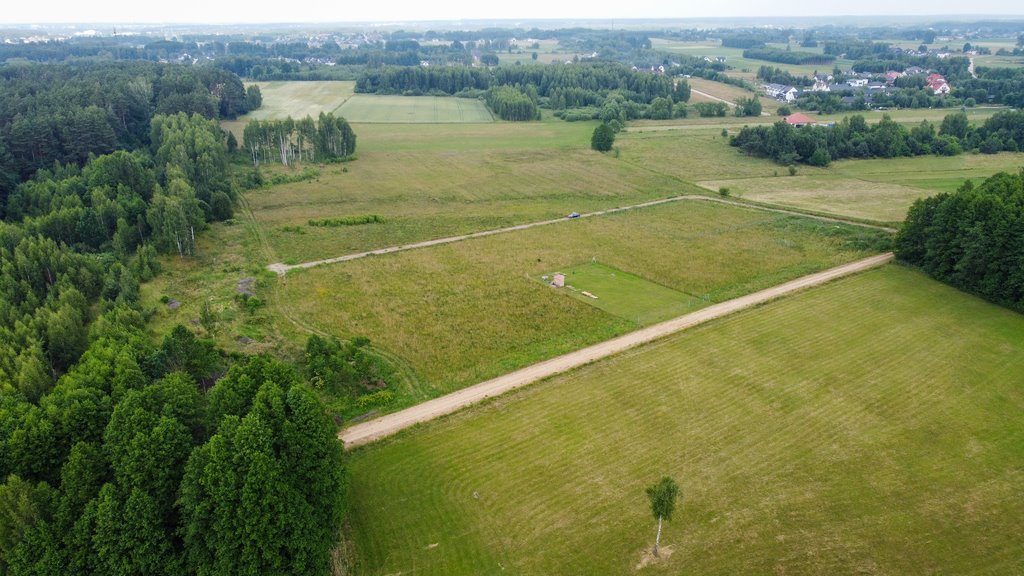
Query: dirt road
{"points": [[730, 104], [282, 269], [367, 432]]}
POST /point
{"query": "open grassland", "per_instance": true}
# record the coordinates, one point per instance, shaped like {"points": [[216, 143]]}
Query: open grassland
{"points": [[872, 426], [367, 108], [623, 294], [462, 313], [734, 57], [879, 189], [431, 193]]}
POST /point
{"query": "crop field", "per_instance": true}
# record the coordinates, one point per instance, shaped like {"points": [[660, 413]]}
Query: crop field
{"points": [[873, 425], [368, 108], [625, 295], [461, 313]]}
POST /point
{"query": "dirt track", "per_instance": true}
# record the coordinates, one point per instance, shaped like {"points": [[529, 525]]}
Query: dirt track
{"points": [[367, 432], [282, 269]]}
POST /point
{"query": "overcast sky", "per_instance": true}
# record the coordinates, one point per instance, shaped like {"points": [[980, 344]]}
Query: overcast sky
{"points": [[228, 11]]}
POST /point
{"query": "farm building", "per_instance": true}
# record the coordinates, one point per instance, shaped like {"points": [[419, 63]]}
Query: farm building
{"points": [[558, 280]]}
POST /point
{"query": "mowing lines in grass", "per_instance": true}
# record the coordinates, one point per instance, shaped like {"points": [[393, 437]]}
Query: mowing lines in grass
{"points": [[873, 424], [364, 108]]}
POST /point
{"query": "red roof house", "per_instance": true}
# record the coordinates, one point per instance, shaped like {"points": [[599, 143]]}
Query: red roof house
{"points": [[799, 120]]}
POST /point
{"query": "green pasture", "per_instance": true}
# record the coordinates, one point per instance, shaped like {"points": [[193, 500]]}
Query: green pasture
{"points": [[874, 425], [369, 108], [622, 294], [460, 313]]}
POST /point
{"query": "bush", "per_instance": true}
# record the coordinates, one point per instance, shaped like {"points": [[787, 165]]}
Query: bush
{"points": [[792, 170], [784, 111], [347, 221], [723, 191], [603, 138]]}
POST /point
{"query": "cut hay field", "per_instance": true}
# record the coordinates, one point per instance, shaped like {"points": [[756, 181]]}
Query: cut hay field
{"points": [[367, 108], [878, 190], [874, 425], [461, 313]]}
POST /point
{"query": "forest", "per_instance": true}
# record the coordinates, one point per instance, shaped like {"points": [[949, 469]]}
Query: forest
{"points": [[972, 239], [121, 452]]}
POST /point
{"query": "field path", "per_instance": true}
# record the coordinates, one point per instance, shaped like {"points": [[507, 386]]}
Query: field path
{"points": [[731, 104], [376, 429], [281, 269]]}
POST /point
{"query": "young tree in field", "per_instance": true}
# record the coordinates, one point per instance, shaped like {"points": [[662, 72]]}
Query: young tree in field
{"points": [[663, 501], [603, 138]]}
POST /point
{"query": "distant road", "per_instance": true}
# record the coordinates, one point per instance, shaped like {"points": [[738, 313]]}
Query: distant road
{"points": [[384, 426], [282, 269]]}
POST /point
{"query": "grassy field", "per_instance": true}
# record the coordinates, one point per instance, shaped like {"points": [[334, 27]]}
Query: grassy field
{"points": [[464, 312], [870, 426], [430, 192], [879, 190], [727, 92], [734, 57], [622, 294], [367, 108], [295, 99]]}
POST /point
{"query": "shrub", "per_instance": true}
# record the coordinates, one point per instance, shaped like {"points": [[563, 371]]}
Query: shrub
{"points": [[347, 221]]}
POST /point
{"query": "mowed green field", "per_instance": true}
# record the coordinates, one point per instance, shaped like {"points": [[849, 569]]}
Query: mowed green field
{"points": [[874, 425], [367, 108], [622, 294], [734, 57], [462, 313]]}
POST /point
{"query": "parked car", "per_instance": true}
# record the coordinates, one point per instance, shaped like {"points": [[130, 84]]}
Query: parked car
{"points": [[573, 215]]}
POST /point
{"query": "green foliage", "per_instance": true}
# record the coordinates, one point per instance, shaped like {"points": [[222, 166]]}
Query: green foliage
{"points": [[603, 138], [345, 369], [662, 496], [328, 139], [711, 109], [347, 221], [787, 56], [853, 137], [513, 104], [750, 106], [971, 239]]}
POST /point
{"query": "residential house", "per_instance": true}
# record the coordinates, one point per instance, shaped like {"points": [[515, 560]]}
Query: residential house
{"points": [[797, 120], [781, 92], [937, 84]]}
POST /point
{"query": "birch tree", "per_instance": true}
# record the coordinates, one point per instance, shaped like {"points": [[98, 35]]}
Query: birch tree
{"points": [[663, 501]]}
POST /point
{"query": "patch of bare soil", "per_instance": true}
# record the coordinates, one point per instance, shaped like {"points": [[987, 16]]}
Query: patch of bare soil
{"points": [[648, 558]]}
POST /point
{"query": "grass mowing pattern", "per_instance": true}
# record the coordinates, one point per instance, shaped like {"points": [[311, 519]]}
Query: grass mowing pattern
{"points": [[364, 108], [465, 312], [625, 295], [873, 425]]}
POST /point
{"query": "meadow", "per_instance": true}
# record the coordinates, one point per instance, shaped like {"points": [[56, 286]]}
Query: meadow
{"points": [[727, 92], [876, 190], [745, 67], [462, 313], [367, 108], [872, 425]]}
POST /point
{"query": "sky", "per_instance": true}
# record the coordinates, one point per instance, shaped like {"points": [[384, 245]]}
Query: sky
{"points": [[262, 11]]}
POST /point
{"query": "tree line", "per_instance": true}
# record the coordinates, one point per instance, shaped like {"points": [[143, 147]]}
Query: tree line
{"points": [[595, 77], [787, 56], [64, 113], [327, 139], [971, 239], [511, 103], [853, 137]]}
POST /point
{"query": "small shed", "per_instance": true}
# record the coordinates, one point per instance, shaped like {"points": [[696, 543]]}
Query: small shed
{"points": [[558, 281]]}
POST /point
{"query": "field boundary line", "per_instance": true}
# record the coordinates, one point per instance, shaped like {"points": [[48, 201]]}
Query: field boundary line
{"points": [[281, 268], [367, 432]]}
